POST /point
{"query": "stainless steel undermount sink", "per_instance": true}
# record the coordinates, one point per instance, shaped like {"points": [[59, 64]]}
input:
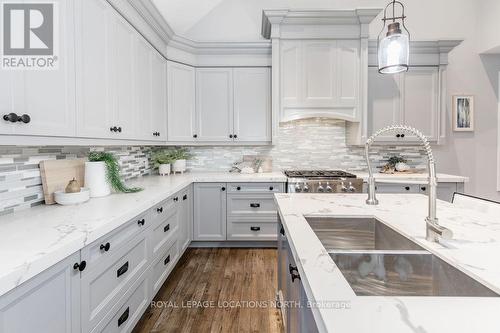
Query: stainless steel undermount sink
{"points": [[378, 261]]}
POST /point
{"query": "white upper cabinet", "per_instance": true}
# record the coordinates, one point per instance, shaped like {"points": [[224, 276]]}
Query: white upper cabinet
{"points": [[410, 98], [151, 93], [181, 103], [252, 104], [214, 104], [46, 96]]}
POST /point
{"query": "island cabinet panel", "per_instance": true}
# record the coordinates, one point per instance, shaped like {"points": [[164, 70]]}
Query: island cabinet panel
{"points": [[185, 218], [49, 302], [444, 190], [209, 212]]}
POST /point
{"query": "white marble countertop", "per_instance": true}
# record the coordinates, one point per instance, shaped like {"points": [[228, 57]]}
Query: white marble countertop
{"points": [[35, 239], [410, 178], [473, 250]]}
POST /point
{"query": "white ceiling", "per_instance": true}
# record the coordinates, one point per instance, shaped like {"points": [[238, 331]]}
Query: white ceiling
{"points": [[240, 20]]}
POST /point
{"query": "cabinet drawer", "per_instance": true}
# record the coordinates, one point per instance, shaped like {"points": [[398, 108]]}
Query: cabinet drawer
{"points": [[256, 187], [161, 211], [251, 207], [248, 231], [106, 283], [130, 310], [397, 188], [164, 231], [111, 243], [162, 267]]}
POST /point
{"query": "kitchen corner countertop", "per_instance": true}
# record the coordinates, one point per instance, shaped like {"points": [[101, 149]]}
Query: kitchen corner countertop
{"points": [[410, 178], [35, 239], [473, 250]]}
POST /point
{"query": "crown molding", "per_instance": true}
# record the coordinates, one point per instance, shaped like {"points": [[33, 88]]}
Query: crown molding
{"points": [[422, 53], [284, 17], [222, 48]]}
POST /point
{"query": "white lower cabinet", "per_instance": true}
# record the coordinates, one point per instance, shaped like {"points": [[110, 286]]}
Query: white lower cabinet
{"points": [[444, 190], [185, 218], [163, 265], [48, 303], [209, 212]]}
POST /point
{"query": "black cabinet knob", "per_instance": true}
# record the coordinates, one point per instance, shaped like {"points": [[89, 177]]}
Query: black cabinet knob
{"points": [[398, 135], [113, 129], [105, 247], [176, 199], [235, 136], [423, 188], [282, 231], [407, 188], [141, 222], [271, 188], [238, 188], [80, 266], [195, 136], [402, 135], [159, 210], [185, 197], [166, 228], [230, 136], [223, 189], [14, 118], [119, 129]]}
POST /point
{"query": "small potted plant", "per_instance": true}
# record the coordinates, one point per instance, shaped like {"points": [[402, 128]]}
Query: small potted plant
{"points": [[399, 163], [102, 173], [162, 160], [180, 156]]}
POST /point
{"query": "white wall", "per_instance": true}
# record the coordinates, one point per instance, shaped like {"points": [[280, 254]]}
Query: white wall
{"points": [[470, 154], [489, 26]]}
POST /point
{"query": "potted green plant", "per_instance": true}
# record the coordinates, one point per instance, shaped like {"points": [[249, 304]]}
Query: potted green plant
{"points": [[102, 173], [162, 160], [399, 163], [180, 156]]}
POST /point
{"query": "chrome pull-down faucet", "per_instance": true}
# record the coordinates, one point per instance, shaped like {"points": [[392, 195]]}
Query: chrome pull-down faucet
{"points": [[433, 230]]}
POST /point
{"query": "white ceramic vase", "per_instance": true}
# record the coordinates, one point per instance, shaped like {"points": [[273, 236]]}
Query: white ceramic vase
{"points": [[402, 167], [179, 166], [95, 179], [164, 169]]}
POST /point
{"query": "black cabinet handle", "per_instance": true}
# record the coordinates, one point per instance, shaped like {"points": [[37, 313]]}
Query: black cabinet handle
{"points": [[80, 266], [294, 272], [407, 188], [292, 268], [159, 210], [423, 188], [398, 135], [235, 136], [402, 135], [271, 188], [119, 129], [123, 318], [295, 276], [167, 260], [238, 188], [14, 118], [105, 247], [185, 197], [255, 205], [282, 231], [230, 136], [176, 199], [255, 228], [141, 222], [195, 136], [166, 228], [122, 270], [113, 129], [223, 189]]}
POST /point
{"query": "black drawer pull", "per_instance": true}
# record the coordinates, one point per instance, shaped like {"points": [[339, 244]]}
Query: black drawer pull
{"points": [[80, 266], [295, 276], [255, 205], [292, 268], [423, 188], [282, 231], [176, 199], [223, 189], [123, 318], [255, 228], [185, 197], [167, 260], [159, 210], [407, 188], [122, 270], [105, 247], [166, 228], [14, 118], [271, 188], [141, 222], [238, 188]]}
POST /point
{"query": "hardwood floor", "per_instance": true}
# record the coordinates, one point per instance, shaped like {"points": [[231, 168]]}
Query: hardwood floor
{"points": [[227, 280]]}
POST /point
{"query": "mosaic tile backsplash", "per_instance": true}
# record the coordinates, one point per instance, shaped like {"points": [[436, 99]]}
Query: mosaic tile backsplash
{"points": [[304, 144]]}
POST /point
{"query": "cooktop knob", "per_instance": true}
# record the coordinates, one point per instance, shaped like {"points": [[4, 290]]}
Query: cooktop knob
{"points": [[328, 187], [343, 188], [298, 188], [306, 188], [321, 189]]}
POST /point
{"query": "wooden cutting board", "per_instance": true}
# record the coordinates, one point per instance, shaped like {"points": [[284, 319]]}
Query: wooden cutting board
{"points": [[56, 174]]}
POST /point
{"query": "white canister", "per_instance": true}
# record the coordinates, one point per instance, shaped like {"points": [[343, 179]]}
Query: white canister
{"points": [[95, 179], [164, 169], [179, 166]]}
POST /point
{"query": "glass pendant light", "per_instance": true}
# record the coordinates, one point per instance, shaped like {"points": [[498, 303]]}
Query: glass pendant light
{"points": [[394, 48]]}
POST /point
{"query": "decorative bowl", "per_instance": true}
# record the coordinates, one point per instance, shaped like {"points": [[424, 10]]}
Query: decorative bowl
{"points": [[67, 199]]}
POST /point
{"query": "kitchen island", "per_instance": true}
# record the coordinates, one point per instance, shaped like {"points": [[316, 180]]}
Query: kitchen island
{"points": [[336, 307]]}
